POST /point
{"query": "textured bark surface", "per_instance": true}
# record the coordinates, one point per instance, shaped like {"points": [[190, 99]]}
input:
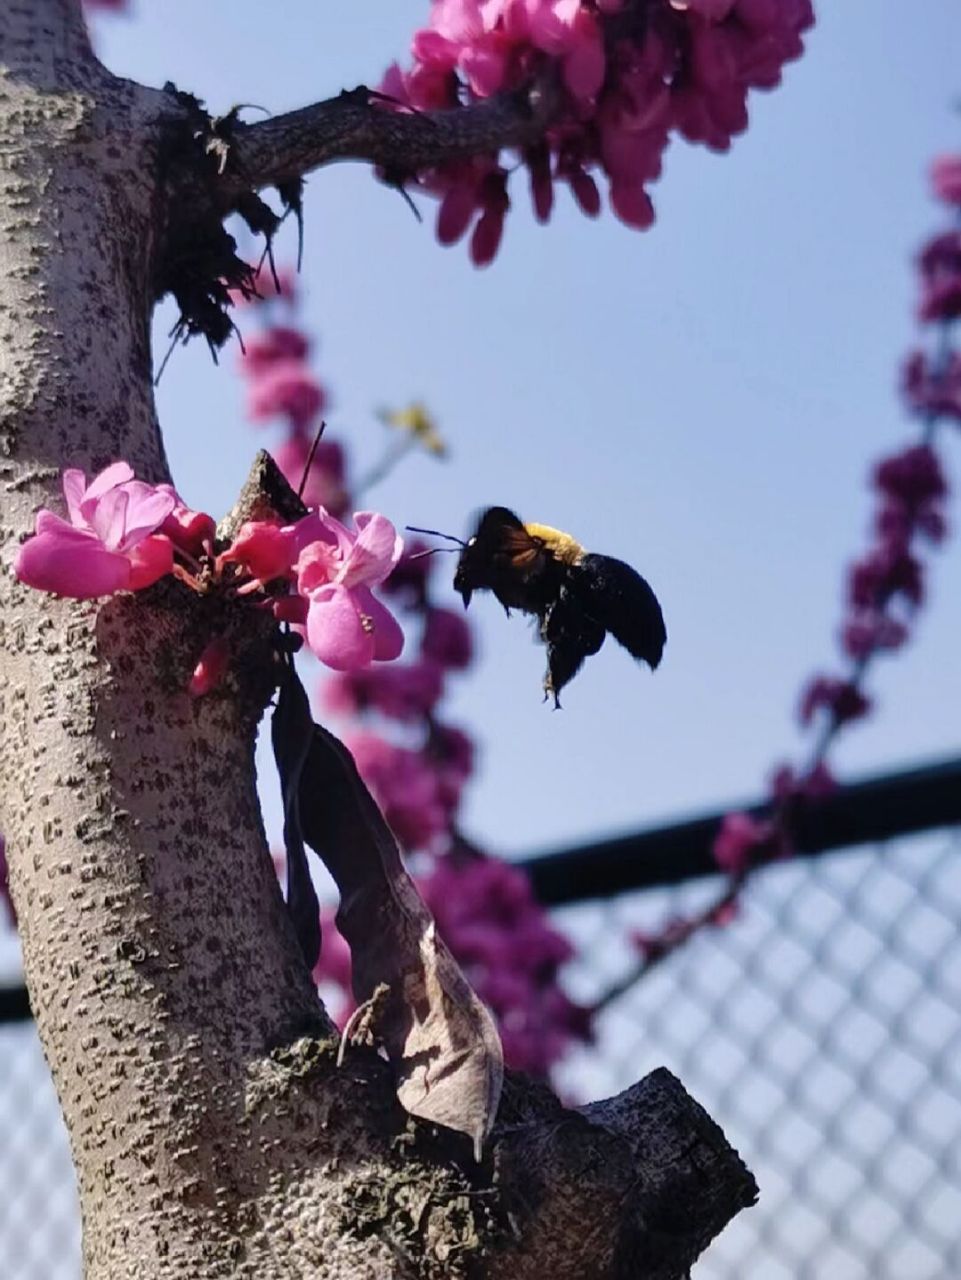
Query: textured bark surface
{"points": [[211, 1132]]}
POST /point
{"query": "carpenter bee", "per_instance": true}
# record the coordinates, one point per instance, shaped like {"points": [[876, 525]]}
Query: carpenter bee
{"points": [[577, 597]]}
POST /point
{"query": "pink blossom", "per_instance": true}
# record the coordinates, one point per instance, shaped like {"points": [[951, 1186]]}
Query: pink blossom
{"points": [[288, 389], [264, 549], [346, 626], [404, 693], [325, 485], [886, 572], [111, 543], [743, 841], [866, 633], [946, 179], [210, 668], [187, 529], [914, 475], [623, 88], [844, 700], [447, 639], [272, 346], [933, 392], [452, 749], [816, 784], [404, 787]]}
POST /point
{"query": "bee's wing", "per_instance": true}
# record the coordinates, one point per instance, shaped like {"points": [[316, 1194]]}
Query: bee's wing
{"points": [[571, 636], [616, 596], [501, 535]]}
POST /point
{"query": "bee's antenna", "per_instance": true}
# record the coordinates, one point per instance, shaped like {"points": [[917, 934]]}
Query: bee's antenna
{"points": [[435, 533], [419, 555]]}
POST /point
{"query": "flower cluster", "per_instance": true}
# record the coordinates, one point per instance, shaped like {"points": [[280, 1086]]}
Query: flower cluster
{"points": [[884, 588], [627, 74], [282, 387], [330, 571], [124, 535]]}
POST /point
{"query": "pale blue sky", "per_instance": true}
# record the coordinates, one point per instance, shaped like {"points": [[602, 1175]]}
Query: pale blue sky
{"points": [[702, 400]]}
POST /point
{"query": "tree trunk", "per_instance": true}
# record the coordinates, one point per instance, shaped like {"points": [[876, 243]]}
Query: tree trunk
{"points": [[211, 1131]]}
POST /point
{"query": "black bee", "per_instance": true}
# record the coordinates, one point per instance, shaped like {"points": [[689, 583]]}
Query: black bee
{"points": [[577, 597]]}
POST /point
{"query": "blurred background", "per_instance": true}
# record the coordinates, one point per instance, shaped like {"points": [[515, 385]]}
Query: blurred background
{"points": [[703, 400]]}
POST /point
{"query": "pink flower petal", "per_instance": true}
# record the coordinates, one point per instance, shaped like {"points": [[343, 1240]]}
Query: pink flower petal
{"points": [[376, 550], [108, 516], [388, 636], [336, 631], [585, 64], [151, 559], [70, 562], [74, 488], [210, 668], [109, 478], [147, 508]]}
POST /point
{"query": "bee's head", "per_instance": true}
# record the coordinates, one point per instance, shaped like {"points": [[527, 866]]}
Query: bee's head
{"points": [[465, 579]]}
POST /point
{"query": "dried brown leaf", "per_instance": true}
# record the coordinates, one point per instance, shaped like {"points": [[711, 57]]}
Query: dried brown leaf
{"points": [[414, 999]]}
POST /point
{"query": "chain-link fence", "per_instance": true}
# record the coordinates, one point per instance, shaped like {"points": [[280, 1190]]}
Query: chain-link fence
{"points": [[821, 1029]]}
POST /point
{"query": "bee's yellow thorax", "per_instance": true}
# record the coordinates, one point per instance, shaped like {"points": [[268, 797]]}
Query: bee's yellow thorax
{"points": [[561, 545]]}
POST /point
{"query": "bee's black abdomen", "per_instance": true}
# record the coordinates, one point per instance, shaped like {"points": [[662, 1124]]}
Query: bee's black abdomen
{"points": [[616, 596]]}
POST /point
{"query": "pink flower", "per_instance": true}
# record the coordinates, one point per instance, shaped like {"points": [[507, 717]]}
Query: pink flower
{"points": [[404, 693], [886, 572], [188, 530], [272, 346], [210, 668], [946, 179], [347, 627], [624, 85], [288, 389], [325, 485], [870, 632], [447, 639], [743, 841], [933, 392], [915, 475], [264, 549], [404, 787], [452, 749], [844, 700], [786, 785], [111, 543]]}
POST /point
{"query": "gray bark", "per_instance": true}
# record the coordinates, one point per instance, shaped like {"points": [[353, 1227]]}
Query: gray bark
{"points": [[211, 1131]]}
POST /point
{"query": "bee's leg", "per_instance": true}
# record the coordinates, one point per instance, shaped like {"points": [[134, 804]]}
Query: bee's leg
{"points": [[550, 691], [570, 637]]}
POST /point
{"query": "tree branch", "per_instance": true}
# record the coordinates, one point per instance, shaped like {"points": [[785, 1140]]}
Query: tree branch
{"points": [[356, 126]]}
